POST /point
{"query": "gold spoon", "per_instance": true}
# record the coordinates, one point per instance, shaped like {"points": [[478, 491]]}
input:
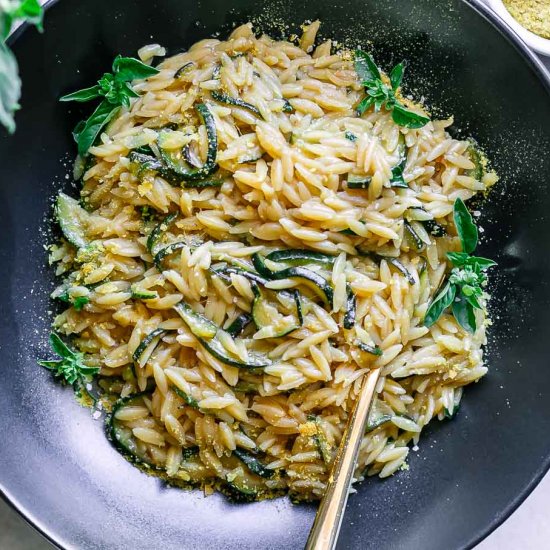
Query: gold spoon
{"points": [[324, 533]]}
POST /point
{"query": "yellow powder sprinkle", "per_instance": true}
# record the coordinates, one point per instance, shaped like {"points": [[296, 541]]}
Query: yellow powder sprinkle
{"points": [[534, 15], [308, 428]]}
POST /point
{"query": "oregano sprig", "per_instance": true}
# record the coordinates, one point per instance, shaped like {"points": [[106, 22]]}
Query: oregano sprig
{"points": [[115, 91], [71, 367], [379, 94], [463, 288]]}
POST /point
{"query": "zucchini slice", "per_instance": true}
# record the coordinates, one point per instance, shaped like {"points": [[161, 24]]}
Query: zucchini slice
{"points": [[227, 270], [159, 230], [183, 70], [401, 268], [351, 308], [320, 440], [269, 320], [376, 423], [287, 107], [190, 401], [175, 164], [368, 348], [295, 257], [149, 162], [358, 182], [200, 325], [143, 294], [167, 251], [253, 464], [413, 236], [318, 284], [239, 324], [350, 136], [122, 437], [147, 346], [235, 102], [72, 219]]}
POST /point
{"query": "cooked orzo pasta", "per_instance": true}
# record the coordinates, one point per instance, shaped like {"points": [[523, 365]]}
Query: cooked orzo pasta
{"points": [[247, 246]]}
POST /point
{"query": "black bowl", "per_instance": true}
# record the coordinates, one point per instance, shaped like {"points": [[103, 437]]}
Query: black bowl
{"points": [[57, 467]]}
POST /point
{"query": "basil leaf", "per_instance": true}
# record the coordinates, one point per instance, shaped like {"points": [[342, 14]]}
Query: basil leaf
{"points": [[60, 347], [396, 76], [80, 301], [29, 10], [87, 94], [10, 88], [88, 133], [128, 68], [52, 365], [439, 304], [78, 130], [481, 263], [403, 117], [458, 259], [365, 67], [463, 312], [465, 226], [365, 104], [472, 299]]}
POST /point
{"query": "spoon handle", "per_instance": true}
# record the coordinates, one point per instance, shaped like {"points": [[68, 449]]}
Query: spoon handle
{"points": [[324, 533]]}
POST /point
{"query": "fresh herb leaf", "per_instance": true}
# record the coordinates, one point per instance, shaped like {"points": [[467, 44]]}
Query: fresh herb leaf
{"points": [[467, 277], [465, 226], [10, 83], [80, 301], [10, 88], [396, 75], [439, 304], [409, 119], [127, 69], [463, 312], [71, 367], [116, 92], [379, 94], [460, 259], [14, 10], [365, 67], [87, 94], [85, 133], [366, 103]]}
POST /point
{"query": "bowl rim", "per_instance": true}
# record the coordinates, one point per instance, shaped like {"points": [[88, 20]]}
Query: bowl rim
{"points": [[511, 31], [538, 43]]}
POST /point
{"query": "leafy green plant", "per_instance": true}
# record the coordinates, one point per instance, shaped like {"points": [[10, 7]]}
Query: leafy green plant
{"points": [[463, 288], [379, 94], [10, 83], [71, 367], [115, 91]]}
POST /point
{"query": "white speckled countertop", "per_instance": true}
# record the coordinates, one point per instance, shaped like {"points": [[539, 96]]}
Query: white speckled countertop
{"points": [[527, 528]]}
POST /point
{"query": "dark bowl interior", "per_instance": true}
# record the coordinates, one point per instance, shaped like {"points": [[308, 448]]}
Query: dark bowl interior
{"points": [[58, 468]]}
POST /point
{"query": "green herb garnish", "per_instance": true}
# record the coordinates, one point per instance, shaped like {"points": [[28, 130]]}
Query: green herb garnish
{"points": [[71, 367], [115, 91], [464, 286], [381, 95], [10, 83]]}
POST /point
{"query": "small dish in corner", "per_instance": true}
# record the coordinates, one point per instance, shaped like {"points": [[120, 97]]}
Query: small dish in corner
{"points": [[538, 43]]}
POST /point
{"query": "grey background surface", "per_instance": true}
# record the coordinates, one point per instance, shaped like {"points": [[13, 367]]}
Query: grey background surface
{"points": [[527, 529]]}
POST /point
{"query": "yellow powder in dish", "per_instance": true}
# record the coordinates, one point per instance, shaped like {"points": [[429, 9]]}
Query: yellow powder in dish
{"points": [[534, 15]]}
